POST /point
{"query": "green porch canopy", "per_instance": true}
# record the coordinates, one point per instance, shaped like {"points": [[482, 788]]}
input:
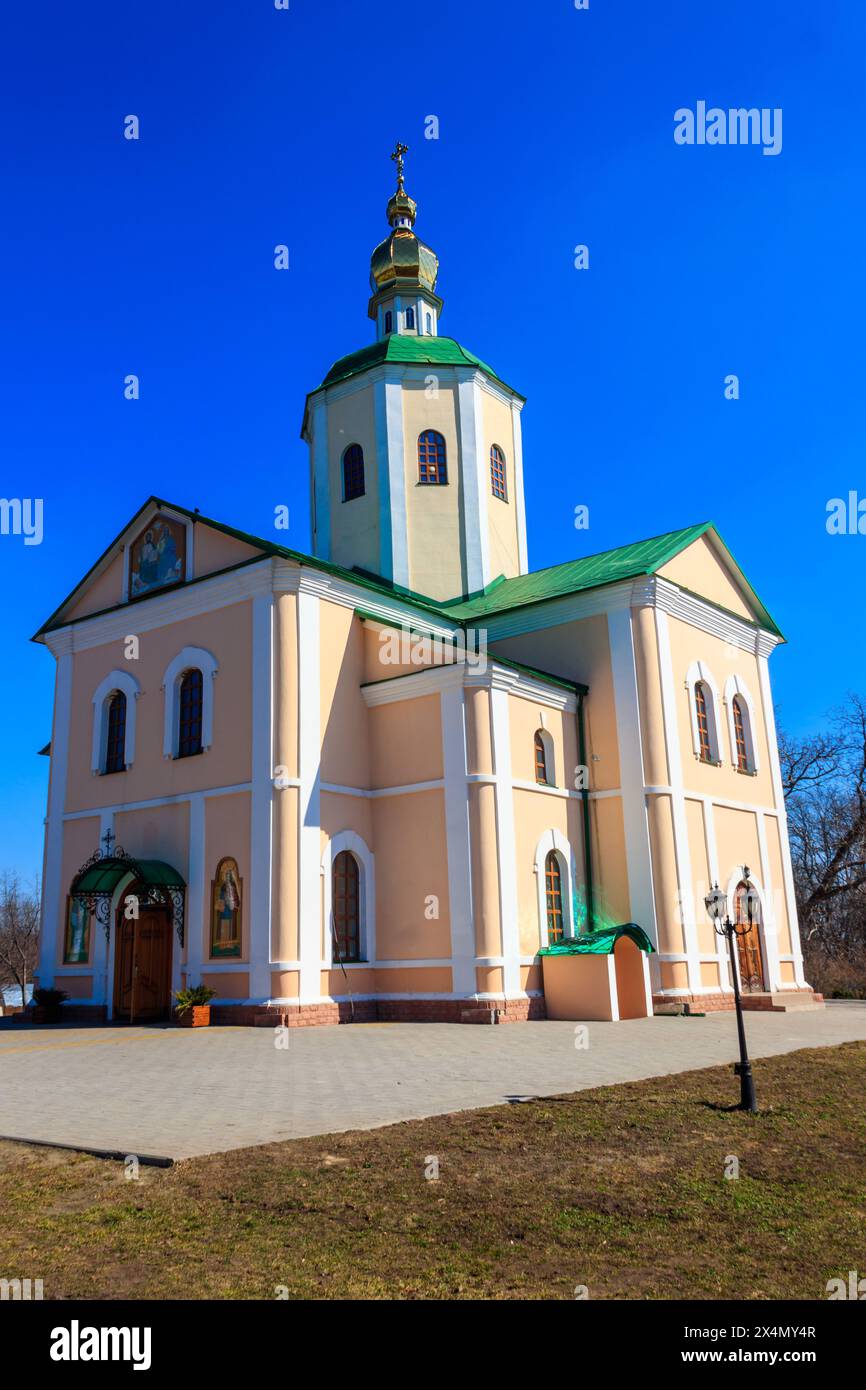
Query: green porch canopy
{"points": [[599, 943], [156, 883], [104, 876]]}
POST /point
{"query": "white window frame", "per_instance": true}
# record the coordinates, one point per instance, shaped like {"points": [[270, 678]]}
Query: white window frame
{"points": [[699, 671], [736, 686], [556, 841], [186, 660], [366, 861], [549, 758], [128, 686]]}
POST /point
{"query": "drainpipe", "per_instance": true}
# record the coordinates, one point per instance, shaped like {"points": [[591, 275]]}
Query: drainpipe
{"points": [[587, 834]]}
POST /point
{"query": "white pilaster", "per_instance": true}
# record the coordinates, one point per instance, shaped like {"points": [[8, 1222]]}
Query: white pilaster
{"points": [[678, 805], [458, 843], [519, 496], [197, 908], [637, 841], [262, 797], [508, 896], [309, 823], [474, 485], [321, 480], [53, 890], [393, 527], [779, 798], [770, 925]]}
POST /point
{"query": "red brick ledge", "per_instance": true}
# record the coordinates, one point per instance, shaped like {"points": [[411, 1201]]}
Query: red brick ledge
{"points": [[716, 1003], [378, 1010]]}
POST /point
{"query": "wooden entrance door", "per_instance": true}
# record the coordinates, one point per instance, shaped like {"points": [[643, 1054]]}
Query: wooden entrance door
{"points": [[749, 946], [142, 966]]}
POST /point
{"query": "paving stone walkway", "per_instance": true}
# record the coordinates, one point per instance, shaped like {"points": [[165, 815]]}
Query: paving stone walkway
{"points": [[175, 1093]]}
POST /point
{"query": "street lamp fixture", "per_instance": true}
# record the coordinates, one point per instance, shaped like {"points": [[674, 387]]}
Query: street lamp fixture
{"points": [[716, 904]]}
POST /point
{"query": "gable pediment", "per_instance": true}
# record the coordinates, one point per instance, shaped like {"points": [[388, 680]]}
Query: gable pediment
{"points": [[162, 548]]}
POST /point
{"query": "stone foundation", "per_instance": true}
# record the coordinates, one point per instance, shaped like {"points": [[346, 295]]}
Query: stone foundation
{"points": [[378, 1011]]}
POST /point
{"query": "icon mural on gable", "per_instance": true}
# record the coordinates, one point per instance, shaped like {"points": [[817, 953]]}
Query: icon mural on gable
{"points": [[158, 556]]}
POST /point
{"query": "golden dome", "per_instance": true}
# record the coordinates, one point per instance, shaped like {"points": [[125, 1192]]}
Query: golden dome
{"points": [[402, 259]]}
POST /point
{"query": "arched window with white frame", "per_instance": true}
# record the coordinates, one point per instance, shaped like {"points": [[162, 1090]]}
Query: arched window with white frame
{"points": [[545, 770], [349, 880], [189, 701], [556, 874], [741, 725], [114, 711], [703, 696]]}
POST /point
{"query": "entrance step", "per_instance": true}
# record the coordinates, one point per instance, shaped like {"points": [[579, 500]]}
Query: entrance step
{"points": [[783, 1001]]}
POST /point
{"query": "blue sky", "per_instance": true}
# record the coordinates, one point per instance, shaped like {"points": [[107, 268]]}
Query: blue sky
{"points": [[261, 127]]}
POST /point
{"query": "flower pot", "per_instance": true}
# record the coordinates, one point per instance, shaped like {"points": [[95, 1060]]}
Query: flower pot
{"points": [[196, 1017]]}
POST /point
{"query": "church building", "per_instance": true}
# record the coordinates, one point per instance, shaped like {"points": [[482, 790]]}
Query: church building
{"points": [[385, 780]]}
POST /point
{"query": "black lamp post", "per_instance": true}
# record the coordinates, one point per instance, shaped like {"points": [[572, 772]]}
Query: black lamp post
{"points": [[716, 904]]}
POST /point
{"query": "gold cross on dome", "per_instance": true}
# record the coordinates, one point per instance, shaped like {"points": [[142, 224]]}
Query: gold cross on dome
{"points": [[397, 157]]}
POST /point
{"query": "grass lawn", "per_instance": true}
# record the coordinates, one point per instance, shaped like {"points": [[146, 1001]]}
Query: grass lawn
{"points": [[621, 1189]]}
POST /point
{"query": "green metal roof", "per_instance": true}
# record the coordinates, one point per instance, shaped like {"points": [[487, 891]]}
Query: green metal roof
{"points": [[599, 943], [104, 876], [590, 572], [399, 347]]}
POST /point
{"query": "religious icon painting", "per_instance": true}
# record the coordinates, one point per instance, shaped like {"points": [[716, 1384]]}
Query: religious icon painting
{"points": [[225, 937], [76, 950], [158, 556]]}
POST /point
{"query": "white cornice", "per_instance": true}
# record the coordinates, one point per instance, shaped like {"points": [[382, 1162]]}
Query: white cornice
{"points": [[647, 591], [144, 615], [433, 679], [449, 374], [393, 612]]}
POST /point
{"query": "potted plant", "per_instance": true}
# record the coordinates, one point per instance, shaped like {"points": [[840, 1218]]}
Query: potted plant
{"points": [[192, 1009], [46, 1005]]}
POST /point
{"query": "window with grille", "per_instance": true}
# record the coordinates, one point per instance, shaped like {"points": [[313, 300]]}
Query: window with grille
{"points": [[703, 722], [553, 893], [190, 714], [497, 473], [431, 458], [347, 907], [353, 472], [115, 747], [740, 736], [540, 759]]}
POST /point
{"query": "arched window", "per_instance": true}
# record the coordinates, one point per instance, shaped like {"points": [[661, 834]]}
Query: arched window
{"points": [[190, 714], [347, 907], [497, 473], [740, 735], [431, 458], [429, 323], [389, 322], [353, 472], [410, 317], [545, 767], [553, 898], [540, 758], [115, 742], [702, 717]]}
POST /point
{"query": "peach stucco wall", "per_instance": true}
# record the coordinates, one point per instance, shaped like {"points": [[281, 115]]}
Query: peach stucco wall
{"points": [[227, 634], [700, 569], [411, 866], [345, 747], [578, 651], [406, 742]]}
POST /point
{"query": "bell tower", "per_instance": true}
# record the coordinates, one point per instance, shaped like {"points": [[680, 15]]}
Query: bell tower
{"points": [[416, 457]]}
